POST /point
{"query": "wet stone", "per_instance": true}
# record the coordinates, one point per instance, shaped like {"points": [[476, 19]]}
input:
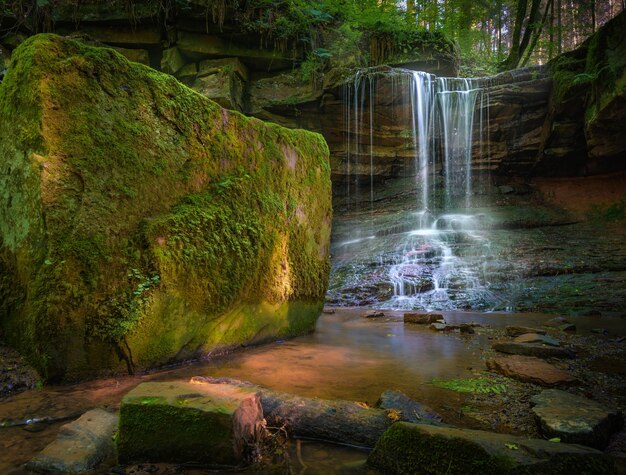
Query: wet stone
{"points": [[443, 327], [514, 331], [188, 422], [556, 322], [409, 409], [568, 327], [575, 419], [467, 328], [422, 318], [537, 338], [373, 314], [530, 370], [80, 446], [532, 349], [421, 448]]}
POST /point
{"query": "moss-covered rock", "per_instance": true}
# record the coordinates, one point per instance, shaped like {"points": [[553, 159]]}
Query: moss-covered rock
{"points": [[418, 448], [588, 105], [185, 422], [140, 223]]}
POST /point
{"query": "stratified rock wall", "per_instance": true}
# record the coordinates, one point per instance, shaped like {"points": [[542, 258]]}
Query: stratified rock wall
{"points": [[141, 223]]}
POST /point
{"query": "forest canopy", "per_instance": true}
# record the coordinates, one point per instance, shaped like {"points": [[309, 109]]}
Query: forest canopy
{"points": [[492, 34]]}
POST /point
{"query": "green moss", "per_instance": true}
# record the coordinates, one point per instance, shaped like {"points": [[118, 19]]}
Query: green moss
{"points": [[126, 193], [404, 449]]}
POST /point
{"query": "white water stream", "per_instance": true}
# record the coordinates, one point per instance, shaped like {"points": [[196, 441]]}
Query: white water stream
{"points": [[428, 263]]}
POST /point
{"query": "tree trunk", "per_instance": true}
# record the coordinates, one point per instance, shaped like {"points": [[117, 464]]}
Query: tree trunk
{"points": [[340, 421]]}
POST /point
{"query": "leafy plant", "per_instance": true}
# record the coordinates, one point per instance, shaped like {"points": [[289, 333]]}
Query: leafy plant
{"points": [[471, 385]]}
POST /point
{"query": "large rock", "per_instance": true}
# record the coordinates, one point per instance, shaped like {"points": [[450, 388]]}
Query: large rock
{"points": [[80, 446], [530, 370], [537, 350], [582, 134], [140, 223], [419, 448], [574, 418], [186, 422]]}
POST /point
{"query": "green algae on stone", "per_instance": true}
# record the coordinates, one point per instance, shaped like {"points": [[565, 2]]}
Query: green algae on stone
{"points": [[418, 448], [135, 212], [186, 422]]}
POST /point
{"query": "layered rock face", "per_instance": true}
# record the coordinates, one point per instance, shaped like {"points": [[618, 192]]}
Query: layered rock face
{"points": [[141, 223]]}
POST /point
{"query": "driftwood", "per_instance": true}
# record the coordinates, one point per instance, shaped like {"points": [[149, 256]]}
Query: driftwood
{"points": [[344, 422]]}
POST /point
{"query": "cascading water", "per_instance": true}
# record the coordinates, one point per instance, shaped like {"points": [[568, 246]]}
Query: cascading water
{"points": [[434, 259]]}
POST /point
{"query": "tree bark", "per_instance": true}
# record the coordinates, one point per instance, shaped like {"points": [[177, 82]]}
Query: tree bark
{"points": [[338, 421]]}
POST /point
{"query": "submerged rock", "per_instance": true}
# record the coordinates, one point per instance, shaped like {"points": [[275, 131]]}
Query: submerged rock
{"points": [[140, 223], [514, 331], [556, 322], [419, 448], [373, 314], [422, 318], [80, 446], [575, 419], [530, 370], [408, 409], [187, 422], [537, 338]]}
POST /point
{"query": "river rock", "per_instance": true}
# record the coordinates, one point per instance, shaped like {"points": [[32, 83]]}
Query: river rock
{"points": [[373, 314], [532, 349], [575, 419], [419, 448], [556, 322], [188, 422], [79, 446], [409, 409], [467, 328], [422, 318], [514, 331], [530, 370], [536, 338], [568, 327], [176, 228]]}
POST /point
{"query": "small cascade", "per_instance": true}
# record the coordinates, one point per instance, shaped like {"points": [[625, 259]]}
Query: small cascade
{"points": [[438, 252]]}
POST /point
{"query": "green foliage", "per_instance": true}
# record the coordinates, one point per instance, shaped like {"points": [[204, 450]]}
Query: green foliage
{"points": [[608, 213], [472, 385]]}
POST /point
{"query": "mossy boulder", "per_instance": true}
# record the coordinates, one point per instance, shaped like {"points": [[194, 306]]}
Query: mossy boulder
{"points": [[141, 223], [418, 448], [185, 422]]}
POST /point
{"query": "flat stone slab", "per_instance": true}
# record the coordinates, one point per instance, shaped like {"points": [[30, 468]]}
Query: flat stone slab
{"points": [[530, 370], [537, 338], [537, 350], [420, 448], [575, 419], [79, 446], [422, 318], [187, 422], [514, 331]]}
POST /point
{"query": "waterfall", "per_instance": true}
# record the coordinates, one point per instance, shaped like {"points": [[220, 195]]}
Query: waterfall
{"points": [[425, 264]]}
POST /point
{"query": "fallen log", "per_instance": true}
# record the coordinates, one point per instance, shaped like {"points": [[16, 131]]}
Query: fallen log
{"points": [[338, 421]]}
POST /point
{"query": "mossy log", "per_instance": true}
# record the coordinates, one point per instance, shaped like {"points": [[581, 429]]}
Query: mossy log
{"points": [[339, 421]]}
